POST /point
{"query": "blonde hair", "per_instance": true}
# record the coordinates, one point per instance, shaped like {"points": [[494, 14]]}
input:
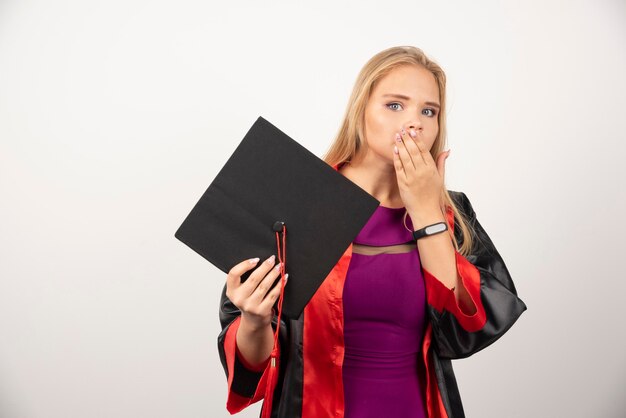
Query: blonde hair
{"points": [[349, 139]]}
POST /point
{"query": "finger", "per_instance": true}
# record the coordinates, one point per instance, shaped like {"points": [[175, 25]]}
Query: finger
{"points": [[407, 164], [441, 167], [397, 163], [233, 277], [257, 275], [421, 146], [273, 295], [265, 284], [416, 146], [405, 140]]}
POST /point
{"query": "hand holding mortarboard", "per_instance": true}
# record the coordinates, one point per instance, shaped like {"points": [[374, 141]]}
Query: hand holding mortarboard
{"points": [[255, 297]]}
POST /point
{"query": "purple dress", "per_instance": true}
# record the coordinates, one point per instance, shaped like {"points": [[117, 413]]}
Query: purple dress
{"points": [[384, 305]]}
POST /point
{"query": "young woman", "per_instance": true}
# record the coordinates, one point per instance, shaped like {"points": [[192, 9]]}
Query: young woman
{"points": [[377, 338]]}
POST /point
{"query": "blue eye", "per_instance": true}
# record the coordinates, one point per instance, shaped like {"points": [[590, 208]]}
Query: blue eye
{"points": [[394, 103]]}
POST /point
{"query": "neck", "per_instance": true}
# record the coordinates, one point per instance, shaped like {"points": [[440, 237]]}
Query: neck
{"points": [[376, 177]]}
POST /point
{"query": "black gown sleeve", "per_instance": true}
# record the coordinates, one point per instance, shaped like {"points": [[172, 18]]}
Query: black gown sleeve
{"points": [[498, 296]]}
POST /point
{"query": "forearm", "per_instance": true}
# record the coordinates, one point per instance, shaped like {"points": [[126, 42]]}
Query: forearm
{"points": [[437, 255], [255, 344]]}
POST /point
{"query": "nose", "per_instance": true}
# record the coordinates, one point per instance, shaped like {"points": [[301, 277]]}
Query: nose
{"points": [[414, 124]]}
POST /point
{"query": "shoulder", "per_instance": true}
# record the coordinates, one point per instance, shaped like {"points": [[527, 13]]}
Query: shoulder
{"points": [[462, 202], [459, 198]]}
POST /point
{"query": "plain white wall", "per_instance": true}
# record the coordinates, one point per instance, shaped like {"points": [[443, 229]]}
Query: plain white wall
{"points": [[115, 116]]}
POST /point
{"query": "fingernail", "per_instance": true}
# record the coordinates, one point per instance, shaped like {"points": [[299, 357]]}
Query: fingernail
{"points": [[413, 134], [271, 259], [398, 137], [254, 260], [286, 276], [395, 149], [277, 266]]}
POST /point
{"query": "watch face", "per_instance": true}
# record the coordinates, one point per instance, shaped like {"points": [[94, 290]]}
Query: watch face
{"points": [[433, 229]]}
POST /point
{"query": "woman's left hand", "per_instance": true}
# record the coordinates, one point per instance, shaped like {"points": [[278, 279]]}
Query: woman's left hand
{"points": [[420, 179]]}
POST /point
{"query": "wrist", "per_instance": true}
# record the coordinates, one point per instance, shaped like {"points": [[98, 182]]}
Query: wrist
{"points": [[425, 218], [253, 326]]}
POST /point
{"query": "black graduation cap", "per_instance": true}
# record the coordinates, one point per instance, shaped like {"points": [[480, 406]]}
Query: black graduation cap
{"points": [[273, 196]]}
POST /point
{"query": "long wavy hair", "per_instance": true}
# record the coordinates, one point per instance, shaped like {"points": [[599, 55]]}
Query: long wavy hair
{"points": [[350, 137]]}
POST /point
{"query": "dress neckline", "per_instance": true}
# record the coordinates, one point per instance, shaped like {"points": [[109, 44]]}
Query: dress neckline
{"points": [[388, 208], [386, 227]]}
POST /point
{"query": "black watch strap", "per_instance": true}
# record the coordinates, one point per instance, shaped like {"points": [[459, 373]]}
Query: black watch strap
{"points": [[433, 229]]}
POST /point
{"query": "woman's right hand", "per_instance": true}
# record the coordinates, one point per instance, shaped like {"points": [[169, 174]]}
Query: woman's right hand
{"points": [[252, 296]]}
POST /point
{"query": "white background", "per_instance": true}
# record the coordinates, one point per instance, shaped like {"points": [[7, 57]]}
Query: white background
{"points": [[115, 116]]}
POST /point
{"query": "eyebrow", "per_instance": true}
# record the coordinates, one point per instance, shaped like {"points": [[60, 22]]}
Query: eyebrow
{"points": [[401, 96]]}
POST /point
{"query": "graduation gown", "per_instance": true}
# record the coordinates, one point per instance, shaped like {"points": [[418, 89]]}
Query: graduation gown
{"points": [[311, 348]]}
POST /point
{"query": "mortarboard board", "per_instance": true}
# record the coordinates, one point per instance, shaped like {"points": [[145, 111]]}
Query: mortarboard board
{"points": [[273, 191]]}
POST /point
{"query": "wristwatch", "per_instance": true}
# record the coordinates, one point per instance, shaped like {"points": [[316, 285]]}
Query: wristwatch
{"points": [[430, 230]]}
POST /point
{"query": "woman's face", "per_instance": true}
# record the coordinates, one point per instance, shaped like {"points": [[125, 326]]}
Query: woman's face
{"points": [[386, 113]]}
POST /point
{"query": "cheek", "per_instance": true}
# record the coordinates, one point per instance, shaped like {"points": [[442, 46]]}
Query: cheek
{"points": [[376, 127], [374, 122]]}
